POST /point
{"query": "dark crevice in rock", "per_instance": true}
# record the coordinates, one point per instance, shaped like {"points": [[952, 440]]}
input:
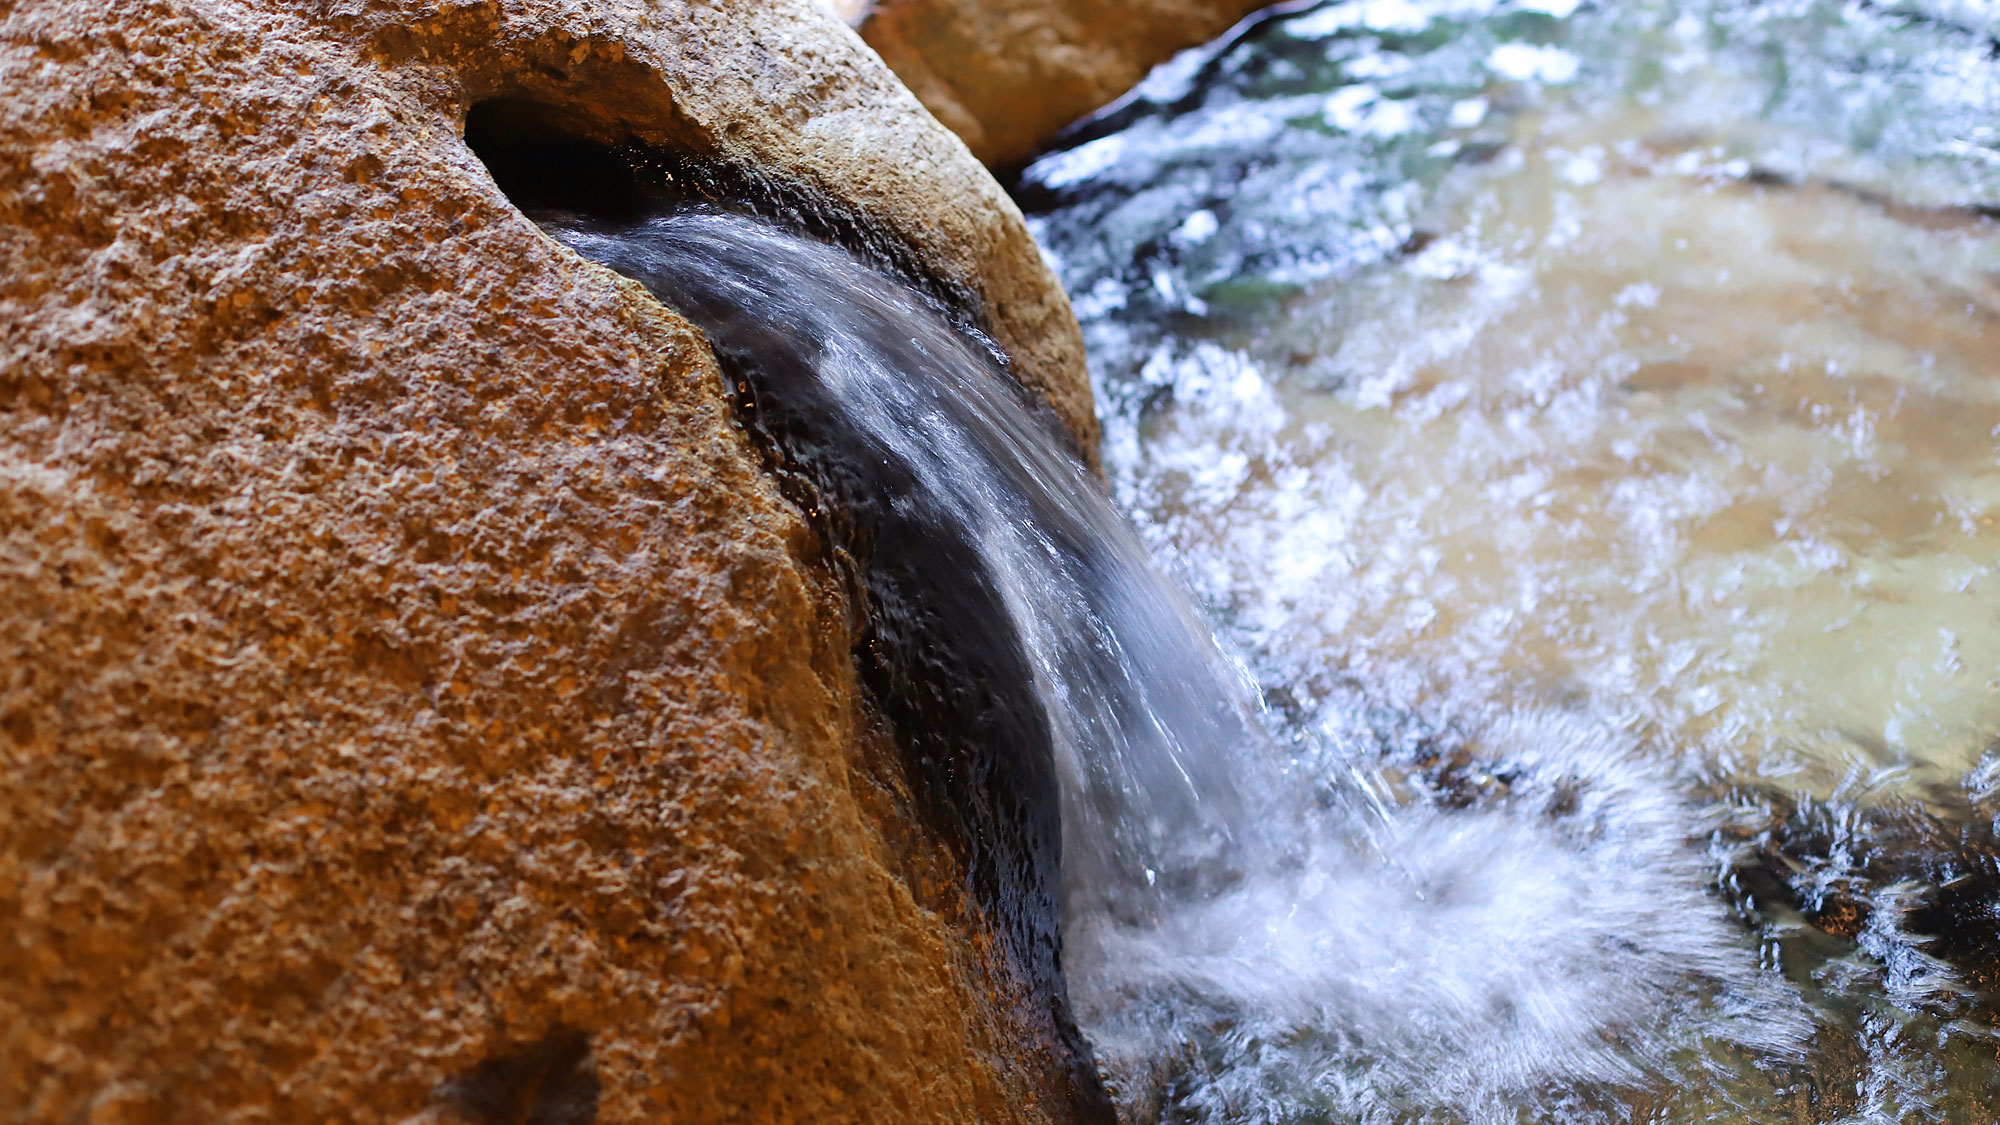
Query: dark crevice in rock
{"points": [[944, 669], [553, 1082], [545, 161]]}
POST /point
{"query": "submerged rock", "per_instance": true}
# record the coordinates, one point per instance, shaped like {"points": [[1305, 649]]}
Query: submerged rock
{"points": [[415, 701]]}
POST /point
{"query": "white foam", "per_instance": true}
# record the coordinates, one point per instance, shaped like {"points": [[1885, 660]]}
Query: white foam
{"points": [[1557, 932], [1525, 62]]}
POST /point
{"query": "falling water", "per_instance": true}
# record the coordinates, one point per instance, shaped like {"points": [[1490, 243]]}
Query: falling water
{"points": [[1148, 720], [1250, 933]]}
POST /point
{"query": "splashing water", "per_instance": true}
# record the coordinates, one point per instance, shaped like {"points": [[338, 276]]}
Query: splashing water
{"points": [[1248, 935], [1549, 933], [1473, 358]]}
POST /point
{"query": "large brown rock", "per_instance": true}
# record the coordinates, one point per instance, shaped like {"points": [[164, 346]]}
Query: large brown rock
{"points": [[415, 702], [1006, 75]]}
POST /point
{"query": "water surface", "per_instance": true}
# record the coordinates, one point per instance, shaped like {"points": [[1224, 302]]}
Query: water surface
{"points": [[1585, 420]]}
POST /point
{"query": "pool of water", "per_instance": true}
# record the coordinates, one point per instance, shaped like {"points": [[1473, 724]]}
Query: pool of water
{"points": [[1584, 421]]}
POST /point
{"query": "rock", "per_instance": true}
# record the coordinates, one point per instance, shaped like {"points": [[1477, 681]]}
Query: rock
{"points": [[1006, 75], [415, 702]]}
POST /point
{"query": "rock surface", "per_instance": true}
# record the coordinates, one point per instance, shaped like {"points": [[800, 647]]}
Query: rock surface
{"points": [[415, 703], [1006, 75]]}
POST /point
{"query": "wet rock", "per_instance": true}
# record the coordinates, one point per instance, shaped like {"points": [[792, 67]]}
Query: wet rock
{"points": [[1006, 75], [415, 701]]}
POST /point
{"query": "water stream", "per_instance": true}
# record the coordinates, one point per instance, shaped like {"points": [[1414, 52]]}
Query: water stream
{"points": [[1582, 425], [1144, 717]]}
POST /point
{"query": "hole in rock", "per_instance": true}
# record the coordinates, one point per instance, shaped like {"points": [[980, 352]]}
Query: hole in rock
{"points": [[545, 160], [550, 159], [552, 1082]]}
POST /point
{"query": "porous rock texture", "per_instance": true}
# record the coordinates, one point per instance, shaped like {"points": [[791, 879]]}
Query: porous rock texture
{"points": [[1007, 75], [415, 702]]}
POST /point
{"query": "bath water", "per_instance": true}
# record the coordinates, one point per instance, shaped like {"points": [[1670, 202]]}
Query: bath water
{"points": [[1584, 421]]}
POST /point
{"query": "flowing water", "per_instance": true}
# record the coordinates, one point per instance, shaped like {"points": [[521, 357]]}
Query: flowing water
{"points": [[1145, 717], [1223, 881], [1581, 423], [1584, 420]]}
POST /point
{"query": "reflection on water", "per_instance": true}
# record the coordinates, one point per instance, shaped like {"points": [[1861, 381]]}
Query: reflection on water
{"points": [[1721, 450], [1571, 407]]}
